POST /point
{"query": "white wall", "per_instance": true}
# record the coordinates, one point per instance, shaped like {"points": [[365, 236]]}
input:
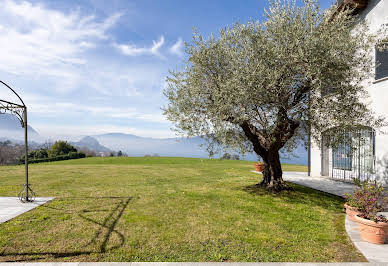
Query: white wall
{"points": [[376, 14]]}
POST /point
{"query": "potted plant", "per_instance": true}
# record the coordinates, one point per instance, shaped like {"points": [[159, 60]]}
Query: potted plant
{"points": [[259, 166], [351, 211], [369, 199]]}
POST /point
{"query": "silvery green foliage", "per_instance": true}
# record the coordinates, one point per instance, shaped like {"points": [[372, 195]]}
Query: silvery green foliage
{"points": [[274, 75]]}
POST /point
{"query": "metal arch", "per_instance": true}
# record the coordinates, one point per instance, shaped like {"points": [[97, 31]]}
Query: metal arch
{"points": [[13, 92], [20, 111], [13, 108]]}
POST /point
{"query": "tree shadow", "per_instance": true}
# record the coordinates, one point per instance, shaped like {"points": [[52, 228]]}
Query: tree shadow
{"points": [[300, 195], [109, 223]]}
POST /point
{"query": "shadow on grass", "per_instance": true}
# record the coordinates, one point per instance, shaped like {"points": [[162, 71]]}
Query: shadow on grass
{"points": [[300, 195], [109, 223]]}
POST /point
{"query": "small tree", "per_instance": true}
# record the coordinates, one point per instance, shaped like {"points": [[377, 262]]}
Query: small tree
{"points": [[61, 148], [262, 86]]}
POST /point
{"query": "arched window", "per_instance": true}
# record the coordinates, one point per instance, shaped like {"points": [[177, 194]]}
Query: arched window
{"points": [[350, 159]]}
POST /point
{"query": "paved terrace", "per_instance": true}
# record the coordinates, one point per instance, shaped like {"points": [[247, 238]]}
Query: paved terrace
{"points": [[324, 184], [10, 207]]}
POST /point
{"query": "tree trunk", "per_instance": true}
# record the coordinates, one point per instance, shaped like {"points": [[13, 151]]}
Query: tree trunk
{"points": [[268, 150], [272, 173]]}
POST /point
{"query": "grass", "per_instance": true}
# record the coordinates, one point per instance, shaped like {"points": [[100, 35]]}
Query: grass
{"points": [[169, 209]]}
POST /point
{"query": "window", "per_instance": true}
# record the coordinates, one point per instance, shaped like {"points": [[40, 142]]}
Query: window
{"points": [[359, 154], [381, 62], [353, 158], [342, 156]]}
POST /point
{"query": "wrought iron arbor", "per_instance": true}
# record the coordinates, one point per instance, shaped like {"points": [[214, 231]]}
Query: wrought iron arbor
{"points": [[20, 111]]}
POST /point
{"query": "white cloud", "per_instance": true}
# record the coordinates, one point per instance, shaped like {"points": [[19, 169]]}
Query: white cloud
{"points": [[37, 40], [154, 117], [47, 56], [133, 50], [177, 48], [71, 109]]}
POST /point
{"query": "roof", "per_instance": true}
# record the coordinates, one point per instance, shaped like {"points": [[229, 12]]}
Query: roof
{"points": [[358, 5]]}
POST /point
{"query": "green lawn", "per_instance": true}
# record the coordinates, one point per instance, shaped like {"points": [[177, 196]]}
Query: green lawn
{"points": [[169, 209]]}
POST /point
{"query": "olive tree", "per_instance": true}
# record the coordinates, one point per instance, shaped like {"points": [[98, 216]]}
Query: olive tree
{"points": [[262, 85]]}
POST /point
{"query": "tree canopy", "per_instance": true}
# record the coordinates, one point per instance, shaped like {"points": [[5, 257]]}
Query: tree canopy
{"points": [[261, 86], [61, 148]]}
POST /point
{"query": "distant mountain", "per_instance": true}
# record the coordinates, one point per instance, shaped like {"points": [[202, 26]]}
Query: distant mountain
{"points": [[91, 144], [11, 128], [180, 147], [140, 146]]}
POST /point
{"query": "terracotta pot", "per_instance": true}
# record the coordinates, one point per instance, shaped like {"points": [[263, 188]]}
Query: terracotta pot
{"points": [[372, 232], [259, 167], [351, 212]]}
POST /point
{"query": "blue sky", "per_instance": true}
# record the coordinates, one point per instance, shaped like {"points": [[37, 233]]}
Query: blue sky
{"points": [[93, 66]]}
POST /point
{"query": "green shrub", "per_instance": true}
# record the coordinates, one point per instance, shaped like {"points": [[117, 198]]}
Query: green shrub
{"points": [[70, 156], [61, 148]]}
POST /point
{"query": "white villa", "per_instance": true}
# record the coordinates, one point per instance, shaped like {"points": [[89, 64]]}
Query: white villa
{"points": [[370, 159]]}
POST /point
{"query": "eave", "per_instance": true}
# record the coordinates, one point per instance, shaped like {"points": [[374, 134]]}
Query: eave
{"points": [[356, 5]]}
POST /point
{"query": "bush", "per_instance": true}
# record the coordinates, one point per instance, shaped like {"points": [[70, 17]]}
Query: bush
{"points": [[87, 152], [73, 155], [61, 148], [70, 156]]}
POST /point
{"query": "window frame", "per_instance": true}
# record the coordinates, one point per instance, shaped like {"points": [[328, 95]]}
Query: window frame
{"points": [[378, 64]]}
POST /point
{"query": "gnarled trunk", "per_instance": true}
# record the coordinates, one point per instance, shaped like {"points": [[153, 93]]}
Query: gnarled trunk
{"points": [[272, 173], [268, 149]]}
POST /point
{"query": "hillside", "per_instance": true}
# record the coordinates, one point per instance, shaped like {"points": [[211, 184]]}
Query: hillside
{"points": [[181, 147], [91, 144], [10, 128]]}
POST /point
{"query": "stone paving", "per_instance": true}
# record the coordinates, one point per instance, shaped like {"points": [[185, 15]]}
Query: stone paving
{"points": [[319, 183], [10, 207]]}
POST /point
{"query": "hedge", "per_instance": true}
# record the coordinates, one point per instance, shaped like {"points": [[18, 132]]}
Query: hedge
{"points": [[70, 156]]}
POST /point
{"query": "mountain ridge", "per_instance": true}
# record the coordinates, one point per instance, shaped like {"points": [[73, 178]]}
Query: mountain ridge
{"points": [[90, 143], [134, 145], [11, 127]]}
